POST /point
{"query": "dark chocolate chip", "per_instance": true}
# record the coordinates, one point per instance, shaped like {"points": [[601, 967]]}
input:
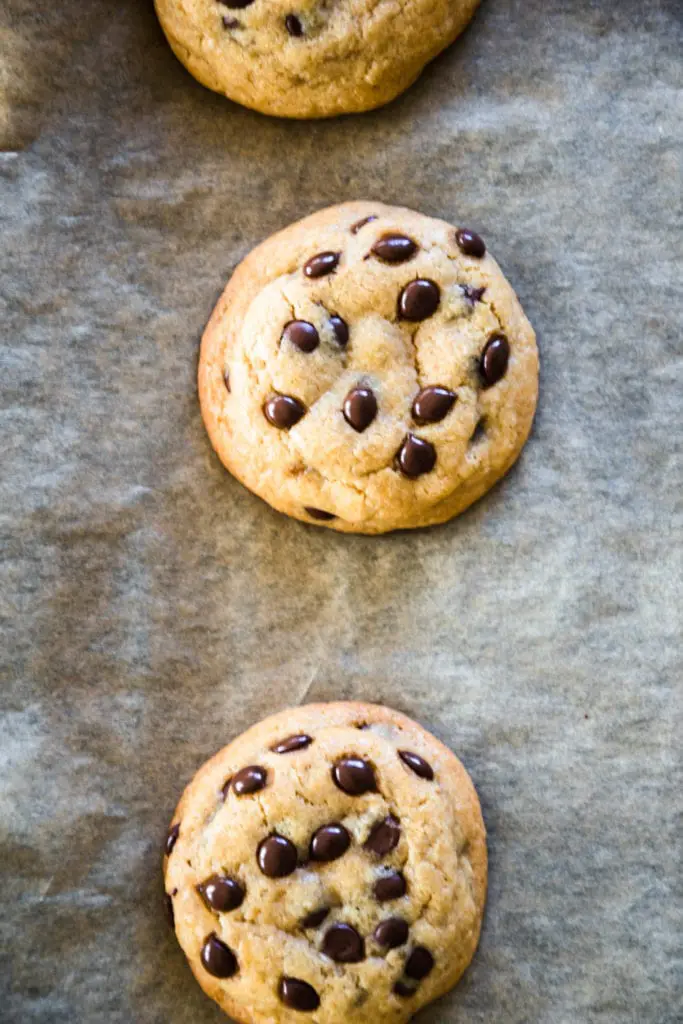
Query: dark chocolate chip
{"points": [[221, 893], [394, 248], [217, 958], [330, 842], [249, 780], [172, 839], [341, 329], [416, 456], [237, 5], [294, 26], [390, 887], [315, 918], [470, 243], [417, 764], [283, 411], [354, 776], [322, 264], [384, 836], [229, 22], [226, 788], [168, 903], [391, 933], [419, 963], [404, 989], [302, 334], [418, 300], [298, 995], [297, 742], [343, 944], [472, 295], [319, 513], [355, 228], [494, 360], [226, 379], [433, 404], [277, 856], [360, 408]]}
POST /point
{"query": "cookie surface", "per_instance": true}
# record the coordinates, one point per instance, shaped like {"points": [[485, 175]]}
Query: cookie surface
{"points": [[329, 864], [369, 369], [311, 58]]}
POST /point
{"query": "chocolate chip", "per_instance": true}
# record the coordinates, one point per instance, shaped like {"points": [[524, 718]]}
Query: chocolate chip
{"points": [[354, 776], [343, 944], [494, 360], [432, 404], [172, 839], [249, 780], [391, 933], [355, 228], [404, 989], [226, 380], [229, 22], [297, 742], [416, 456], [419, 963], [417, 764], [419, 300], [360, 408], [472, 295], [283, 411], [217, 958], [319, 513], [277, 856], [315, 918], [237, 5], [294, 27], [470, 243], [322, 264], [390, 887], [330, 842], [221, 893], [341, 329], [384, 836], [393, 248], [298, 995], [168, 903], [302, 334], [226, 788]]}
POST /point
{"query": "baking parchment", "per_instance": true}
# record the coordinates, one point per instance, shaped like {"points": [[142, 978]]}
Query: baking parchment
{"points": [[152, 608]]}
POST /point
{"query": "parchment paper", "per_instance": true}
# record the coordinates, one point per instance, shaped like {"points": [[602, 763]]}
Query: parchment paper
{"points": [[153, 609]]}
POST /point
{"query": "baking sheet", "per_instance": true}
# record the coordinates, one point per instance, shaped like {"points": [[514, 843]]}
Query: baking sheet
{"points": [[152, 608]]}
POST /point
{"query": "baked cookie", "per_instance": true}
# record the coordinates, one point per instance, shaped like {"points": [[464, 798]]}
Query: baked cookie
{"points": [[310, 58], [329, 864], [369, 369]]}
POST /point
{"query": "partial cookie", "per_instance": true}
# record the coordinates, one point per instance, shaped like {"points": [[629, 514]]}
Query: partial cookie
{"points": [[369, 369], [328, 863], [311, 58]]}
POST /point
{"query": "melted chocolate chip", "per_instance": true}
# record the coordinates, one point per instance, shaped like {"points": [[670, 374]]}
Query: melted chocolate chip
{"points": [[360, 408], [217, 958], [294, 26], [343, 944], [417, 764], [472, 295], [494, 360], [249, 780], [302, 334], [226, 380], [237, 5], [298, 995], [384, 836], [470, 243], [416, 456], [277, 856], [297, 742], [404, 989], [419, 963], [319, 513], [330, 842], [315, 918], [322, 264], [391, 933], [390, 887], [168, 903], [394, 248], [221, 893], [341, 329], [355, 228], [229, 22], [433, 404], [283, 411], [354, 776], [419, 300], [172, 839]]}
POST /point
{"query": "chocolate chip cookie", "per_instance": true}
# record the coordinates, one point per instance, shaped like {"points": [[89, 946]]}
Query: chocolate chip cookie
{"points": [[310, 58], [331, 861], [369, 369]]}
